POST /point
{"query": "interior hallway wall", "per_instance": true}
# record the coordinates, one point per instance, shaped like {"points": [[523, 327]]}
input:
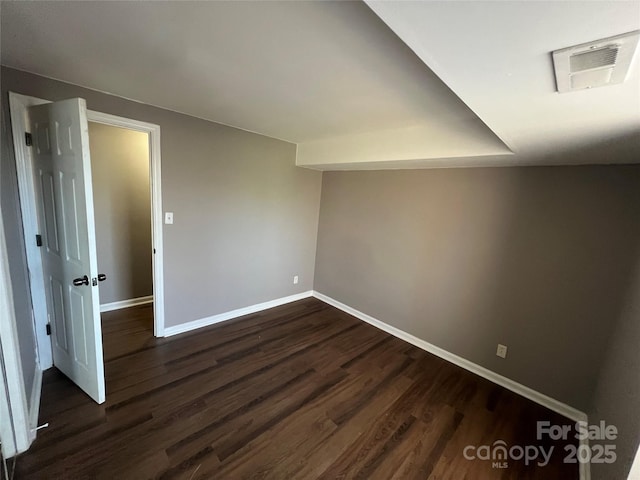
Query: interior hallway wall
{"points": [[122, 205]]}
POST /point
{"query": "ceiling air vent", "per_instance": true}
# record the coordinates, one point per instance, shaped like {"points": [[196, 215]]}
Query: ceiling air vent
{"points": [[595, 64]]}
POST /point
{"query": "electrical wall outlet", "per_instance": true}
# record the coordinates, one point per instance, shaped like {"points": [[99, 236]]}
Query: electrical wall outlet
{"points": [[502, 351], [168, 218], [295, 280]]}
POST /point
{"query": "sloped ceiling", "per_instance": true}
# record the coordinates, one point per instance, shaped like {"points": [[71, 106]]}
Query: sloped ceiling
{"points": [[496, 57], [353, 88]]}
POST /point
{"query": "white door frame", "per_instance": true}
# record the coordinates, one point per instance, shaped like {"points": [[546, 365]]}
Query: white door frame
{"points": [[155, 178], [19, 105], [16, 433]]}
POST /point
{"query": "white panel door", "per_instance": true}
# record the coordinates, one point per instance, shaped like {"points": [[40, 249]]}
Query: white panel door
{"points": [[62, 169]]}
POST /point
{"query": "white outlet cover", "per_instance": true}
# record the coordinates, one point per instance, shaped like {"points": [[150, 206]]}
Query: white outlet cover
{"points": [[168, 218], [501, 351], [295, 280]]}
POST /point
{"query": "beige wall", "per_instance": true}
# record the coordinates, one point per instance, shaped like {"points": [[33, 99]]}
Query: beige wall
{"points": [[533, 258], [617, 396], [245, 217], [122, 205]]}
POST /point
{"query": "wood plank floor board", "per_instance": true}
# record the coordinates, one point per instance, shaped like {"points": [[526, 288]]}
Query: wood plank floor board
{"points": [[313, 465], [244, 418], [426, 445], [223, 371], [299, 391]]}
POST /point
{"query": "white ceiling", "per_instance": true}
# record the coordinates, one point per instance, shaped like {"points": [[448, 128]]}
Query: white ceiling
{"points": [[496, 56], [334, 78], [296, 71]]}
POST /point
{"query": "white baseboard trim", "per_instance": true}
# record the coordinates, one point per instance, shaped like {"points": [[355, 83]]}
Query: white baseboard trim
{"points": [[540, 398], [221, 317], [34, 402], [132, 302]]}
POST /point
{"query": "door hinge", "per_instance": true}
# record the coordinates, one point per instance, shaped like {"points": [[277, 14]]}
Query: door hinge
{"points": [[38, 240], [48, 329], [28, 139]]}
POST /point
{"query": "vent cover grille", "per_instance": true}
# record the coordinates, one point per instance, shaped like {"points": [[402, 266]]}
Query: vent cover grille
{"points": [[598, 58], [596, 64]]}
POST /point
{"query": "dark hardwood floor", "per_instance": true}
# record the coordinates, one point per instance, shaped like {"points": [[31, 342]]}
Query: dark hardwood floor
{"points": [[299, 391]]}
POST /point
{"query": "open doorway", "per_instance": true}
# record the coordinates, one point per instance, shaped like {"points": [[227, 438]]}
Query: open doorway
{"points": [[135, 286], [120, 170]]}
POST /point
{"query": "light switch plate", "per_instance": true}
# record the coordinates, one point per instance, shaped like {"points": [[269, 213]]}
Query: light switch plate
{"points": [[168, 218]]}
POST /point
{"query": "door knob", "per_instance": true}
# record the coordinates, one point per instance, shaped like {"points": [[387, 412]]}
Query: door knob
{"points": [[102, 277], [81, 281]]}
